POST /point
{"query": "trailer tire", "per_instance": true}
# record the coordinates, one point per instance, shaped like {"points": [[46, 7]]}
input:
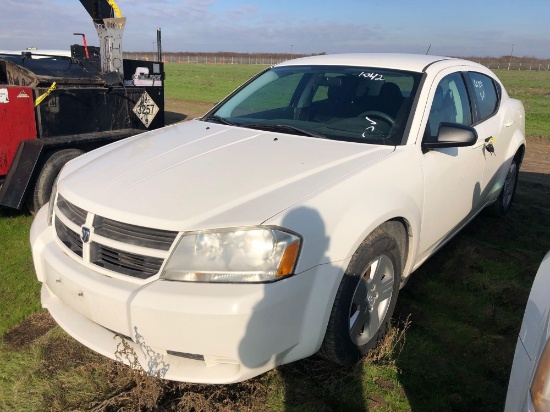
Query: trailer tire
{"points": [[42, 191]]}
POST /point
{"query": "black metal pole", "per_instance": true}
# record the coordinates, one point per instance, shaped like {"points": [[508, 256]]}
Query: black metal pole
{"points": [[159, 45]]}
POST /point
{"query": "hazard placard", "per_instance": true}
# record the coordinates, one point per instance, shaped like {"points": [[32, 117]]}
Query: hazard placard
{"points": [[146, 109]]}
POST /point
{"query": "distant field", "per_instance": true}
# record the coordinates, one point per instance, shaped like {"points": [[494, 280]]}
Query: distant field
{"points": [[464, 306], [206, 82], [533, 89]]}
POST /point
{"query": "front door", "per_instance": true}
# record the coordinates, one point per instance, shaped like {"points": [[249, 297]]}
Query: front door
{"points": [[452, 176]]}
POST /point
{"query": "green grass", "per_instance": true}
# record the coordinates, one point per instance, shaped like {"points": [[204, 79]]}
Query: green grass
{"points": [[208, 83], [465, 305], [55, 373], [18, 287], [533, 89]]}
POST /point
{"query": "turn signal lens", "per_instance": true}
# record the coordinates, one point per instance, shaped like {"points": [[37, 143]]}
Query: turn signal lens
{"points": [[288, 260]]}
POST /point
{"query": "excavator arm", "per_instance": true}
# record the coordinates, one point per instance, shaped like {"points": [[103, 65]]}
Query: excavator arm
{"points": [[109, 24], [101, 9]]}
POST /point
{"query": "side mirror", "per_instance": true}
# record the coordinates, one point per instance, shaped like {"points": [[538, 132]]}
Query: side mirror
{"points": [[452, 135]]}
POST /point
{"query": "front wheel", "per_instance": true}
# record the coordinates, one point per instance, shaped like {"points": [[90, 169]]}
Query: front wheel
{"points": [[366, 297]]}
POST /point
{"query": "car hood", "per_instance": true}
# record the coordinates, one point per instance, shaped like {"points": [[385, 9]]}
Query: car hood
{"points": [[198, 175]]}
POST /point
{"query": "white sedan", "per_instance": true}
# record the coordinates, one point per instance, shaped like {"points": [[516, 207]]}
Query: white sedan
{"points": [[529, 387], [282, 223]]}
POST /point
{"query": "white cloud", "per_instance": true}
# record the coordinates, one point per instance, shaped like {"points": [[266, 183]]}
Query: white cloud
{"points": [[211, 25]]}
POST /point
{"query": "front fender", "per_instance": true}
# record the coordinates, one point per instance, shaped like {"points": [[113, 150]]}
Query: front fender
{"points": [[334, 222]]}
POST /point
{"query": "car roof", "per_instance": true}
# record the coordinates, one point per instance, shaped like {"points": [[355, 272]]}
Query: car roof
{"points": [[399, 61]]}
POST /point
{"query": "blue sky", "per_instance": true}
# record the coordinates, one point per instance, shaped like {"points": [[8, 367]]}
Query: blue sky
{"points": [[465, 28]]}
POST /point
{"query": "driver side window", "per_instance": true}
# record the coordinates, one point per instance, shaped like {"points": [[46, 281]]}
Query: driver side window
{"points": [[450, 104]]}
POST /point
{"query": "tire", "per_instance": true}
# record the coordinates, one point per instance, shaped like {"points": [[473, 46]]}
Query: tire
{"points": [[369, 287], [508, 192], [44, 183]]}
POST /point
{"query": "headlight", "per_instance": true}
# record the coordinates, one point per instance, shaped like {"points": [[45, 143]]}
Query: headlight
{"points": [[253, 254], [540, 388], [52, 201]]}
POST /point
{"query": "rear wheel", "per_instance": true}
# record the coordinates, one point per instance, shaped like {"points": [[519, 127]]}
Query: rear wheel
{"points": [[508, 192], [366, 297], [44, 184]]}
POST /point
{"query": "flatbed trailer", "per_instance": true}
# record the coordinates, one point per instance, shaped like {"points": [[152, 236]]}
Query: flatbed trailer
{"points": [[54, 108]]}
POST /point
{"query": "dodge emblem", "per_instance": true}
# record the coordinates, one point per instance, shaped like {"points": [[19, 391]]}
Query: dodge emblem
{"points": [[85, 235]]}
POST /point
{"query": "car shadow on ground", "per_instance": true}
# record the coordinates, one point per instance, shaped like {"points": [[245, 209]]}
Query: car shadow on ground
{"points": [[535, 178], [9, 212], [173, 117], [466, 304]]}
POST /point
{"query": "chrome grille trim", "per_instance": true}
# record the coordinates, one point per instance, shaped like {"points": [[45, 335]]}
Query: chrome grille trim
{"points": [[130, 264], [72, 212], [134, 235], [130, 250]]}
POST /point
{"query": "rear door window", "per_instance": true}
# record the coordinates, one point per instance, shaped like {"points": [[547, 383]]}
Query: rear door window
{"points": [[485, 94]]}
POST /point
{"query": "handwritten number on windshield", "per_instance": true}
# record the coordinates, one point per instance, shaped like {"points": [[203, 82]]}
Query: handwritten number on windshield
{"points": [[372, 76]]}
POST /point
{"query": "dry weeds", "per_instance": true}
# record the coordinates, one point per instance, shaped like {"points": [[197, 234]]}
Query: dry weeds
{"points": [[391, 345], [141, 392]]}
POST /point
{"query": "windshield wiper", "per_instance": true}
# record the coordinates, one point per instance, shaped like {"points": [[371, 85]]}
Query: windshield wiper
{"points": [[218, 119], [282, 128]]}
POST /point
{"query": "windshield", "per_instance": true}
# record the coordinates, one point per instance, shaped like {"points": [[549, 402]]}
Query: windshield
{"points": [[359, 104]]}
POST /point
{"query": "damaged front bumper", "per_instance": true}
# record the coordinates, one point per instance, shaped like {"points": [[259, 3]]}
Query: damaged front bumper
{"points": [[192, 332]]}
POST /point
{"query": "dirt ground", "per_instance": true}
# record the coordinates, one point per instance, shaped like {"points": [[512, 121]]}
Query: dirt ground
{"points": [[536, 164], [177, 110], [535, 167]]}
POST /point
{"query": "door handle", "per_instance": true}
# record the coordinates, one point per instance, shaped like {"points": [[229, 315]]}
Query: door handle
{"points": [[489, 144], [509, 123]]}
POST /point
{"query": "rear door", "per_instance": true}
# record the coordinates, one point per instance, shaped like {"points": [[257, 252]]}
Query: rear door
{"points": [[495, 127]]}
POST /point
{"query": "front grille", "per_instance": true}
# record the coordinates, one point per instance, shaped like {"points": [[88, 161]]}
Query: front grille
{"points": [[68, 237], [119, 247], [131, 264], [134, 235], [73, 213]]}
